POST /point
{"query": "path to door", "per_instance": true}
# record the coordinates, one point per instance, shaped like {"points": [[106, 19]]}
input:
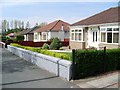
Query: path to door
{"points": [[18, 73]]}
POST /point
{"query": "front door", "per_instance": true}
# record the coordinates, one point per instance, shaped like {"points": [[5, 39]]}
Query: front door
{"points": [[94, 36]]}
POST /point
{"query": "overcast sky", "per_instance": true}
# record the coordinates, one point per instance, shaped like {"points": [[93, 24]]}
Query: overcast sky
{"points": [[36, 11]]}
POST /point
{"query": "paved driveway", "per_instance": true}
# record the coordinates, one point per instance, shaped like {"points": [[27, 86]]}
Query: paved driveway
{"points": [[18, 73]]}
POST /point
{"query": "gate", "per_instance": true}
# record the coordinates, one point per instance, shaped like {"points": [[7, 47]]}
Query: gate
{"points": [[80, 69]]}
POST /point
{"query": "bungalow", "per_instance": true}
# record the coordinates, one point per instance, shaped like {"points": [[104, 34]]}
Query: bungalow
{"points": [[57, 28], [97, 31], [28, 34]]}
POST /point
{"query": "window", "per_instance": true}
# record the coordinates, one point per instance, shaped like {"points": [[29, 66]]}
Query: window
{"points": [[94, 36], [36, 36], [76, 35], [103, 37], [115, 37], [44, 36], [109, 29], [110, 35], [72, 36]]}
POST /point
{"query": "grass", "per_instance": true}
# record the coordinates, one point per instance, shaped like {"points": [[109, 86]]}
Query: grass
{"points": [[69, 54]]}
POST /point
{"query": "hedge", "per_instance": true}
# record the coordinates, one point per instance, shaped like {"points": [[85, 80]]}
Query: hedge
{"points": [[91, 62], [43, 51]]}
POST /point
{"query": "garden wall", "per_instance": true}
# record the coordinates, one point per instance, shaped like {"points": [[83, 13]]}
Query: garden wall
{"points": [[37, 44], [54, 65]]}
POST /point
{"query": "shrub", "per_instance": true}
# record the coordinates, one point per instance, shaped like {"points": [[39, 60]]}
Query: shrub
{"points": [[56, 44], [4, 38], [20, 38], [39, 50], [45, 46], [92, 62]]}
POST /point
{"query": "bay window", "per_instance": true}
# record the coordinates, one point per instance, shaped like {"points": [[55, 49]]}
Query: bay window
{"points": [[76, 35], [110, 35]]}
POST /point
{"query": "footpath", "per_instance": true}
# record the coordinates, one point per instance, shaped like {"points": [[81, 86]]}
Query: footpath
{"points": [[107, 80]]}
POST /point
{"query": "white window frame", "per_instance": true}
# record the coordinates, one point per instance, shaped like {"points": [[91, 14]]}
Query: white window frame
{"points": [[44, 33], [81, 32], [105, 31], [95, 34], [36, 36]]}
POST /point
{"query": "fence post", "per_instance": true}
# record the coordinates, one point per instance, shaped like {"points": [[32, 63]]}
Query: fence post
{"points": [[104, 59], [73, 64]]}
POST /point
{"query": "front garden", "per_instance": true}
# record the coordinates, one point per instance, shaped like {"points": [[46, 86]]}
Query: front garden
{"points": [[88, 62]]}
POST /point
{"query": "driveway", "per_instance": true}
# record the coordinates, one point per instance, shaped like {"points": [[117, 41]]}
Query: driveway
{"points": [[18, 73]]}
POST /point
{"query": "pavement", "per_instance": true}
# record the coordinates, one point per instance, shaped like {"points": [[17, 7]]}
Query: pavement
{"points": [[106, 80], [18, 73]]}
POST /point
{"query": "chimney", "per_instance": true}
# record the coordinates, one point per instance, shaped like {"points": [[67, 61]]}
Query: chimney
{"points": [[62, 27]]}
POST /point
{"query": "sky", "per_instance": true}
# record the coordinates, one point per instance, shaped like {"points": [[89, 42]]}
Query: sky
{"points": [[39, 11]]}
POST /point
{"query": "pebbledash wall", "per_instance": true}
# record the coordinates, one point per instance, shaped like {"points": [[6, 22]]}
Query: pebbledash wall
{"points": [[60, 67]]}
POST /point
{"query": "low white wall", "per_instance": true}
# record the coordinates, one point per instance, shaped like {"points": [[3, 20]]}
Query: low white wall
{"points": [[54, 65]]}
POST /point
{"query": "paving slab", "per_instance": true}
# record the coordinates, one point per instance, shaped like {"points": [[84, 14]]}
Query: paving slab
{"points": [[104, 81]]}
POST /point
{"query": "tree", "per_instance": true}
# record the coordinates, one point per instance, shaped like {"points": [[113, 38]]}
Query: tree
{"points": [[15, 24], [43, 24], [20, 38], [11, 24], [27, 25], [19, 24], [56, 44], [4, 26], [36, 25], [22, 25]]}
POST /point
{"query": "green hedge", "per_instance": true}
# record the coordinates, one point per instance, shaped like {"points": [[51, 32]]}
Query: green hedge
{"points": [[91, 62], [43, 51]]}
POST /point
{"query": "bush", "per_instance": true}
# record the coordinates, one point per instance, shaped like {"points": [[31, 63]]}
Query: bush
{"points": [[43, 51], [45, 46], [56, 44], [4, 39], [91, 62], [20, 38]]}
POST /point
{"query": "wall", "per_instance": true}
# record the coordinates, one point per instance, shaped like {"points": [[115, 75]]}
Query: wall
{"points": [[54, 34], [60, 67], [109, 46], [90, 37], [67, 34], [30, 37], [38, 44], [77, 45]]}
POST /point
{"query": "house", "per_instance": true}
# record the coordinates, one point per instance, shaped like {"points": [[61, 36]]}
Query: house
{"points": [[57, 28], [97, 31], [28, 34], [11, 35]]}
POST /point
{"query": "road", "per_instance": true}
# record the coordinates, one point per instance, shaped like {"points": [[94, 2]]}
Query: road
{"points": [[18, 73]]}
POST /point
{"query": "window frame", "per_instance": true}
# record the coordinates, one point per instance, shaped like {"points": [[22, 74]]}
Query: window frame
{"points": [[44, 33], [75, 32], [106, 33]]}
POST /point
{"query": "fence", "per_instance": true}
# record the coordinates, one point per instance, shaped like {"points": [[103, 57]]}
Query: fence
{"points": [[86, 63], [37, 44]]}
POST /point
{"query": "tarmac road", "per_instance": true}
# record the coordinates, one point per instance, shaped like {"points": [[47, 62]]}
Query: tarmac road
{"points": [[18, 73]]}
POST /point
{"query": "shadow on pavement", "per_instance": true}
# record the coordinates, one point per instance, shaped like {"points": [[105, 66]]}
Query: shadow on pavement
{"points": [[29, 80]]}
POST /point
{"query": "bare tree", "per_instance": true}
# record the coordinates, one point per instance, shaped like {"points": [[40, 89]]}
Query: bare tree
{"points": [[27, 25], [42, 24], [22, 25]]}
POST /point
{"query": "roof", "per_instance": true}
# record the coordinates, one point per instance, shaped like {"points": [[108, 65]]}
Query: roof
{"points": [[54, 26], [108, 16], [27, 31], [10, 34]]}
